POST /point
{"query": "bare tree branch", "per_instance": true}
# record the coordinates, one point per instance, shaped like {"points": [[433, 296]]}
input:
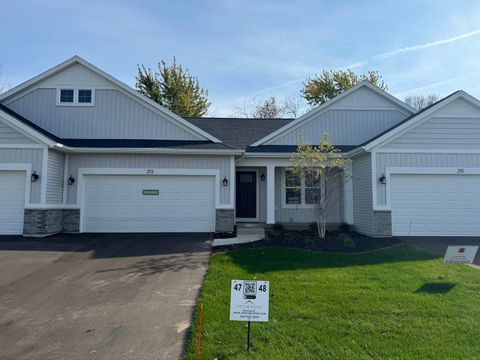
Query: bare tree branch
{"points": [[420, 102]]}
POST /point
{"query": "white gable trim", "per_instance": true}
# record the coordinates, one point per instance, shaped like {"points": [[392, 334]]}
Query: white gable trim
{"points": [[419, 119], [127, 90], [25, 129], [324, 107]]}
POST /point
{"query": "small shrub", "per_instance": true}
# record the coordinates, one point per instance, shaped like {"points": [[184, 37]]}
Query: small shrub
{"points": [[289, 236], [278, 227], [346, 240], [312, 227], [344, 227], [310, 242]]}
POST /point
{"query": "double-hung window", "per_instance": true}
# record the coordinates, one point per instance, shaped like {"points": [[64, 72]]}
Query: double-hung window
{"points": [[300, 190]]}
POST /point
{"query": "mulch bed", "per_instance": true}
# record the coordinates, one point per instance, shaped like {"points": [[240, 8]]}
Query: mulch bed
{"points": [[305, 239]]}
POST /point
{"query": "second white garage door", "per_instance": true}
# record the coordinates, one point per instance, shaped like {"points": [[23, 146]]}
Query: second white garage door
{"points": [[136, 203], [12, 202], [435, 205]]}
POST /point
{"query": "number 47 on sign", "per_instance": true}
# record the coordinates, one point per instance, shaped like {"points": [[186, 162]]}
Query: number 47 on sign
{"points": [[249, 300]]}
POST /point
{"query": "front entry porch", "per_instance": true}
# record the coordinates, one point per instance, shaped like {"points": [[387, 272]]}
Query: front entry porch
{"points": [[265, 196]]}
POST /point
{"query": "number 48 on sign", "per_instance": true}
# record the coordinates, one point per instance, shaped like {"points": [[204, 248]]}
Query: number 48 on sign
{"points": [[249, 300]]}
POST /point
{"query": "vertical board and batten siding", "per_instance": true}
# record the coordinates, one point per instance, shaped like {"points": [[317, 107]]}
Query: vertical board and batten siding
{"points": [[114, 116], [420, 160], [55, 181], [26, 156], [8, 135], [362, 194], [101, 161], [345, 127], [300, 215]]}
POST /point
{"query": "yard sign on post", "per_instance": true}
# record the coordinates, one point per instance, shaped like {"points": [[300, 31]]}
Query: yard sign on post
{"points": [[249, 302], [460, 254]]}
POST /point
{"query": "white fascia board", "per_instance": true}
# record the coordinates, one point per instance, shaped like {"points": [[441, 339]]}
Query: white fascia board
{"points": [[410, 124], [25, 129], [131, 92], [149, 150], [324, 107]]}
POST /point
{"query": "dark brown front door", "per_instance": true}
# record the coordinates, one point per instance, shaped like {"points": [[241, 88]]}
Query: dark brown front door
{"points": [[246, 200]]}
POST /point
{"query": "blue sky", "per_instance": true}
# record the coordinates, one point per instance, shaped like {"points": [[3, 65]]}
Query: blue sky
{"points": [[244, 49]]}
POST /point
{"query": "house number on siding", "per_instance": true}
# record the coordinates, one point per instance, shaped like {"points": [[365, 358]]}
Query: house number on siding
{"points": [[460, 171], [149, 171]]}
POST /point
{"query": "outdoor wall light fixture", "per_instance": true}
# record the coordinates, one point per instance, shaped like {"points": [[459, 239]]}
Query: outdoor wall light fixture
{"points": [[382, 179], [71, 180], [225, 181], [34, 177], [262, 177]]}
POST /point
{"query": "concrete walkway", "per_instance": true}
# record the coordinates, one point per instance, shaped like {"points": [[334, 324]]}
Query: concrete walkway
{"points": [[244, 235]]}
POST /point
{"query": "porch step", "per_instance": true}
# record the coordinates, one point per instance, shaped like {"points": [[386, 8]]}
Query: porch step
{"points": [[251, 225], [244, 235]]}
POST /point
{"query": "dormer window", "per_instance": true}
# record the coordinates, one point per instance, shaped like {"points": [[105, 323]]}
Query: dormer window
{"points": [[75, 97], [85, 96], [66, 95]]}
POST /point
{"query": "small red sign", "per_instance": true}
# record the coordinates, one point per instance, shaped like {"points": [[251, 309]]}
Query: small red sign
{"points": [[461, 250]]}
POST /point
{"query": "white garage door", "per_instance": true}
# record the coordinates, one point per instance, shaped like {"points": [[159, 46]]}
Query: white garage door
{"points": [[435, 205], [12, 202], [136, 203]]}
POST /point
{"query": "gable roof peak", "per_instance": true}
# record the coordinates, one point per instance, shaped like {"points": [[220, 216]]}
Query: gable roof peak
{"points": [[171, 116]]}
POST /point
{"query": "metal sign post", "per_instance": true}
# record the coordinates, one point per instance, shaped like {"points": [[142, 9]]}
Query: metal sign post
{"points": [[249, 302], [248, 337]]}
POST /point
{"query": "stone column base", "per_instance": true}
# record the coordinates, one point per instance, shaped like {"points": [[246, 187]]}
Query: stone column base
{"points": [[224, 220]]}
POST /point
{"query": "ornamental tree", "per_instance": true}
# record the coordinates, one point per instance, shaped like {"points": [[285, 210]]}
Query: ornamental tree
{"points": [[319, 166]]}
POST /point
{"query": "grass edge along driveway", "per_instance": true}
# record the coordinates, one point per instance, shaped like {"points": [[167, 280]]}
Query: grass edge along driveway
{"points": [[395, 303]]}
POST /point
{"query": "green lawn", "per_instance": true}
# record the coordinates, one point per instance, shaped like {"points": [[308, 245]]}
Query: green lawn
{"points": [[395, 303]]}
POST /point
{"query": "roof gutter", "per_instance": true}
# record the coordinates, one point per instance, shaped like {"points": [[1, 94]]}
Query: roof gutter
{"points": [[148, 150]]}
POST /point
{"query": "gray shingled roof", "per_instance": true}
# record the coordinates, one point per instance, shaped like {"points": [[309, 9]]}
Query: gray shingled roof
{"points": [[238, 132]]}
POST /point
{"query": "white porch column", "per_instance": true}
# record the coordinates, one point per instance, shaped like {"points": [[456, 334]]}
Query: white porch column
{"points": [[348, 194], [270, 194]]}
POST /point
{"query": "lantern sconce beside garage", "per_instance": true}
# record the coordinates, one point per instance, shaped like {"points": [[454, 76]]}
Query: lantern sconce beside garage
{"points": [[34, 177], [382, 179], [225, 181], [262, 177], [71, 180]]}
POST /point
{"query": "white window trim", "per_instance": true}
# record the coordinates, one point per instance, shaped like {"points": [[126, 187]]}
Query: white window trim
{"points": [[302, 204], [75, 96]]}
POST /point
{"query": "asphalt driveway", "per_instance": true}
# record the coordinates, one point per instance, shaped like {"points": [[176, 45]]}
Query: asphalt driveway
{"points": [[438, 245], [122, 296]]}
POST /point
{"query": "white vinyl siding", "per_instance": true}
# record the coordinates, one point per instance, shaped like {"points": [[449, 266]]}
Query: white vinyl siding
{"points": [[441, 133], [12, 195], [26, 156], [55, 182], [362, 194], [8, 135], [346, 127], [174, 203], [114, 116], [154, 161]]}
